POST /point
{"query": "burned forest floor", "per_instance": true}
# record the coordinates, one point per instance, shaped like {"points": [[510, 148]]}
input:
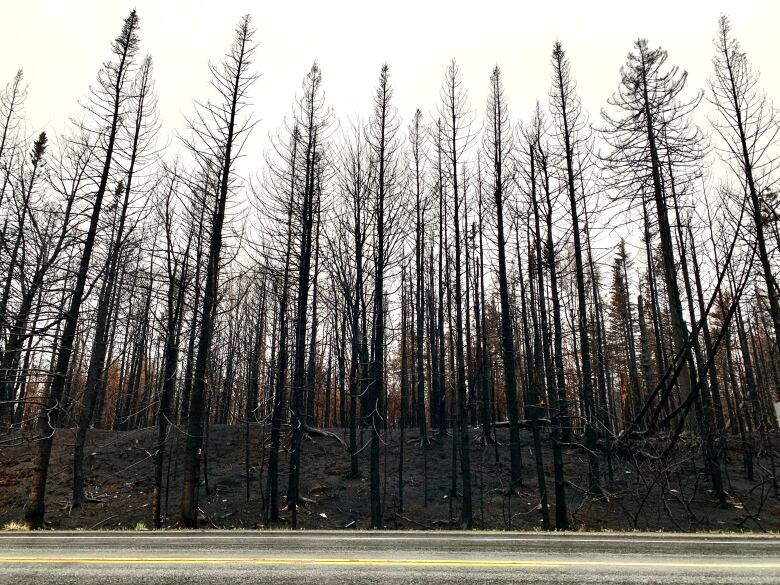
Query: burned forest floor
{"points": [[645, 492]]}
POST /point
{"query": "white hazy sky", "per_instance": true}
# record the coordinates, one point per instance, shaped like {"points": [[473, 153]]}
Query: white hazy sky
{"points": [[61, 45]]}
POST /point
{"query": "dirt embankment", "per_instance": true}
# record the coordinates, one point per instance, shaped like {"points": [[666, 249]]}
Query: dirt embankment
{"points": [[119, 472]]}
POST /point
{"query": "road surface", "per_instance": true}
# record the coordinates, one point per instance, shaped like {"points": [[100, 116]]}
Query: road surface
{"points": [[329, 558]]}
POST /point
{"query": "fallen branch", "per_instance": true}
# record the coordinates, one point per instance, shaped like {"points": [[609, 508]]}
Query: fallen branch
{"points": [[523, 424], [415, 522], [206, 517], [101, 522], [321, 433]]}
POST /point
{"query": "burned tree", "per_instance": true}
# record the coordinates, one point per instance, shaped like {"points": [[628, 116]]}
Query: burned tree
{"points": [[109, 97], [498, 152], [381, 137], [567, 117], [219, 130]]}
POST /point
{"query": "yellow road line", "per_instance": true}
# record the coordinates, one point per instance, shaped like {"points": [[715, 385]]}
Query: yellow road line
{"points": [[379, 562]]}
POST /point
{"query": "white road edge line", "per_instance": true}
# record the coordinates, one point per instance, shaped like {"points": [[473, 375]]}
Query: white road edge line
{"points": [[368, 538]]}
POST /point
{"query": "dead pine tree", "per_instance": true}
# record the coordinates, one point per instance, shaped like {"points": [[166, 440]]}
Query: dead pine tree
{"points": [[568, 122], [540, 361], [140, 139], [556, 378], [651, 120], [748, 129], [381, 137], [177, 273], [218, 131], [355, 173], [109, 97], [405, 384], [498, 150], [312, 120], [44, 242], [438, 372], [12, 98], [418, 160], [283, 179], [457, 118]]}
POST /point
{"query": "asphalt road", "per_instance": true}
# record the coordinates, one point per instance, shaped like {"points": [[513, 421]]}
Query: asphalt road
{"points": [[325, 558]]}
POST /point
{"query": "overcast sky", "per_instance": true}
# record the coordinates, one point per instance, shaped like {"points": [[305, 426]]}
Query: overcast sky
{"points": [[61, 45]]}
